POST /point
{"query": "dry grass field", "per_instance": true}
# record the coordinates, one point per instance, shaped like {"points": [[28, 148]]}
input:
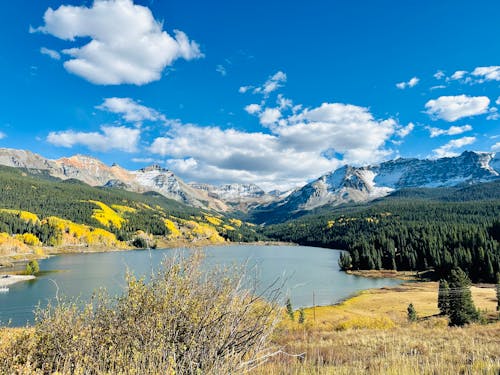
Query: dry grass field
{"points": [[370, 334]]}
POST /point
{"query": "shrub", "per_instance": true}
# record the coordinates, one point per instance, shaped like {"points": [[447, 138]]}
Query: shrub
{"points": [[32, 268], [183, 321]]}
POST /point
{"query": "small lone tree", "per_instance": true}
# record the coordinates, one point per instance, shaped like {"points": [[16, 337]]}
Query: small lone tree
{"points": [[462, 310], [412, 313], [289, 309], [444, 297], [32, 268], [302, 316]]}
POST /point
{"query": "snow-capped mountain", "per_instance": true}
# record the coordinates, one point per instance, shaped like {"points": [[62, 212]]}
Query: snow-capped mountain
{"points": [[238, 196], [344, 185], [95, 173], [362, 184]]}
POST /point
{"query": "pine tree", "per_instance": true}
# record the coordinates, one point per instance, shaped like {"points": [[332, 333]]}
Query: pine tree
{"points": [[444, 297], [412, 313], [302, 316], [289, 309], [345, 261], [462, 309]]}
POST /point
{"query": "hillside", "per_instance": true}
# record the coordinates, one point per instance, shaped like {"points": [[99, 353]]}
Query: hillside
{"points": [[350, 185], [37, 212], [428, 233]]}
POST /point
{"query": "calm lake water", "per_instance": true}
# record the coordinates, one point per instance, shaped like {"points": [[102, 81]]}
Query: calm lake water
{"points": [[306, 270]]}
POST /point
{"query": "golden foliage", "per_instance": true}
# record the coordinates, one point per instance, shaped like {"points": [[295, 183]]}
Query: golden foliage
{"points": [[75, 234], [213, 220], [106, 215], [123, 209], [25, 215], [11, 244], [236, 222], [174, 231]]}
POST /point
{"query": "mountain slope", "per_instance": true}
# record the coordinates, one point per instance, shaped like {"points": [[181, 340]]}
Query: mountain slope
{"points": [[95, 173], [363, 184]]}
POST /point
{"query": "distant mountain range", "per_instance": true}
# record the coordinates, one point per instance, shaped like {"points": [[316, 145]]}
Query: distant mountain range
{"points": [[347, 184]]}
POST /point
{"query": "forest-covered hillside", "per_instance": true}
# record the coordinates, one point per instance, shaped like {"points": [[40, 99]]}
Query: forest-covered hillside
{"points": [[40, 210], [410, 233]]}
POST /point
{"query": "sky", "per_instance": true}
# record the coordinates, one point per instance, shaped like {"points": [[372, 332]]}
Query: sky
{"points": [[268, 92]]}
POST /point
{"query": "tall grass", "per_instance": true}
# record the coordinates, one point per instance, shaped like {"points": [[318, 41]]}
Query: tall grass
{"points": [[183, 321]]}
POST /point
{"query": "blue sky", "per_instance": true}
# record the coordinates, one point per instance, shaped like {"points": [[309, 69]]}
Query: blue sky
{"points": [[270, 92]]}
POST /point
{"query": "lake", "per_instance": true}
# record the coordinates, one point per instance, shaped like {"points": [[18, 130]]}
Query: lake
{"points": [[305, 270]]}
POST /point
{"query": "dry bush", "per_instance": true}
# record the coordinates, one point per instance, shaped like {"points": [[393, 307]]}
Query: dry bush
{"points": [[184, 321]]}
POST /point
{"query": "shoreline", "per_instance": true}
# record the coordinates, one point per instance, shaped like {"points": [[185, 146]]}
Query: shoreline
{"points": [[8, 280], [9, 262]]}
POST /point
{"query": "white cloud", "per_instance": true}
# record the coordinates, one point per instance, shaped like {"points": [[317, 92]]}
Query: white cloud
{"points": [[452, 130], [298, 148], [439, 75], [493, 114], [127, 45], [448, 149], [411, 83], [2, 135], [405, 130], [437, 87], [269, 116], [51, 53], [221, 69], [244, 89], [111, 138], [130, 110], [496, 147], [487, 73], [498, 101], [459, 74], [452, 108], [273, 83], [253, 108]]}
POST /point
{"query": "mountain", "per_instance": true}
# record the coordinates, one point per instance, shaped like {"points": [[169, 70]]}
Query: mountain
{"points": [[350, 184], [95, 173], [240, 197]]}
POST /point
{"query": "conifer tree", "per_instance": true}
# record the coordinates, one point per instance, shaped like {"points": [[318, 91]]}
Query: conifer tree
{"points": [[462, 309], [444, 297], [412, 313], [289, 308]]}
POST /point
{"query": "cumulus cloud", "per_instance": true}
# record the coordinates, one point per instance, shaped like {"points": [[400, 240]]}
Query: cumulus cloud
{"points": [[498, 101], [405, 130], [452, 108], [452, 130], [487, 73], [448, 149], [296, 149], [131, 49], [411, 83], [110, 138], [253, 108], [2, 135], [130, 110], [459, 74], [269, 116], [496, 147], [51, 53]]}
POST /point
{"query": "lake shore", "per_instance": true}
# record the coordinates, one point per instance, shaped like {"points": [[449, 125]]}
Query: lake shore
{"points": [[9, 262], [8, 280], [400, 275]]}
